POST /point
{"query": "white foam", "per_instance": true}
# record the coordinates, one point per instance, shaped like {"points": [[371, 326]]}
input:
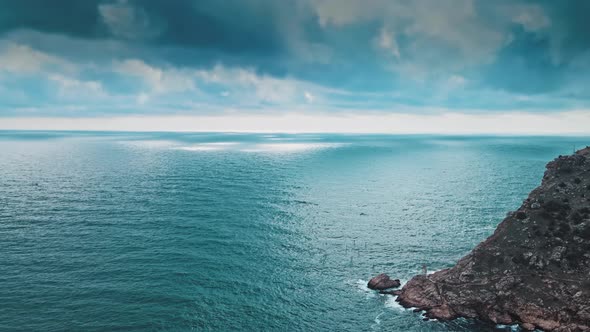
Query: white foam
{"points": [[361, 285], [377, 321], [514, 327], [433, 271], [391, 303]]}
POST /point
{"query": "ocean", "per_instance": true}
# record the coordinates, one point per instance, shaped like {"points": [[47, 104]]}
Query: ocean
{"points": [[103, 231]]}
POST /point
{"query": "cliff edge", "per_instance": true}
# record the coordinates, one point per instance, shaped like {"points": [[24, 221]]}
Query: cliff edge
{"points": [[533, 271]]}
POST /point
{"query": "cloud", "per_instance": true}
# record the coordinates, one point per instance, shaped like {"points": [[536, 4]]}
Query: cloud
{"points": [[449, 25], [196, 57], [128, 22], [71, 88], [242, 85], [68, 17], [457, 81], [531, 17], [19, 58], [34, 77], [205, 24], [143, 98], [246, 84], [158, 79], [344, 12], [386, 41]]}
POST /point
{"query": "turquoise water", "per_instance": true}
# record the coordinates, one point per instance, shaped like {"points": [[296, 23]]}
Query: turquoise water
{"points": [[232, 232]]}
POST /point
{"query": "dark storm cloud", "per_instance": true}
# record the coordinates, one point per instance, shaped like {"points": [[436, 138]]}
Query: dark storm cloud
{"points": [[375, 53], [231, 26], [241, 25], [571, 26], [71, 17]]}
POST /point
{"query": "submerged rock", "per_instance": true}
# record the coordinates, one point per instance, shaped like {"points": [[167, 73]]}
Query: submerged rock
{"points": [[534, 273], [383, 281]]}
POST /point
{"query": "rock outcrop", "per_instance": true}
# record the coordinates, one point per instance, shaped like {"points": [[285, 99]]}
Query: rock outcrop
{"points": [[382, 282], [533, 271]]}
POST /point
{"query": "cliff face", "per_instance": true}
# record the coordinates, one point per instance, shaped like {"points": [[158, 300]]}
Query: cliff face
{"points": [[533, 271]]}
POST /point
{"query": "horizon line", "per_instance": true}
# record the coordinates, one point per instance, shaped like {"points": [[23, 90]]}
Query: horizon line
{"points": [[568, 123]]}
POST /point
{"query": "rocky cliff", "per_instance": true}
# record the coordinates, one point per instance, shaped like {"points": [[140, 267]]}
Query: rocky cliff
{"points": [[533, 271]]}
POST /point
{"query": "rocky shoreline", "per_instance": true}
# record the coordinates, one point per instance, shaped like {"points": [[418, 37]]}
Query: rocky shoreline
{"points": [[533, 271]]}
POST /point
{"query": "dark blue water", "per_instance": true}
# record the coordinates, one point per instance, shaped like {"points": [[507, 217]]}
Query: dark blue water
{"points": [[228, 232]]}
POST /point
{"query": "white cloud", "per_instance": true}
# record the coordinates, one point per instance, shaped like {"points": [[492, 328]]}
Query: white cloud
{"points": [[247, 85], [143, 98], [453, 85], [386, 41], [128, 22], [296, 37], [159, 79], [77, 89], [23, 59], [343, 12], [531, 17], [456, 81], [453, 22], [432, 30], [243, 86], [62, 74]]}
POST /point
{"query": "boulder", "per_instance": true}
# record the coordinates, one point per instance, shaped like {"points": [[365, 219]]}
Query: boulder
{"points": [[383, 281]]}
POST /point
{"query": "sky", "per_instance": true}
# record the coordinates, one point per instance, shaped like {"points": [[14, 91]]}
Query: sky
{"points": [[399, 66]]}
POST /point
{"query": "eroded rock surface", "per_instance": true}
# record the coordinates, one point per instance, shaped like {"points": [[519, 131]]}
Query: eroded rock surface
{"points": [[383, 281], [533, 271]]}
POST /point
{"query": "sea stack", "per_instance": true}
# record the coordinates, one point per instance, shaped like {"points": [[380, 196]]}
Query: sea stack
{"points": [[383, 282], [533, 271]]}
